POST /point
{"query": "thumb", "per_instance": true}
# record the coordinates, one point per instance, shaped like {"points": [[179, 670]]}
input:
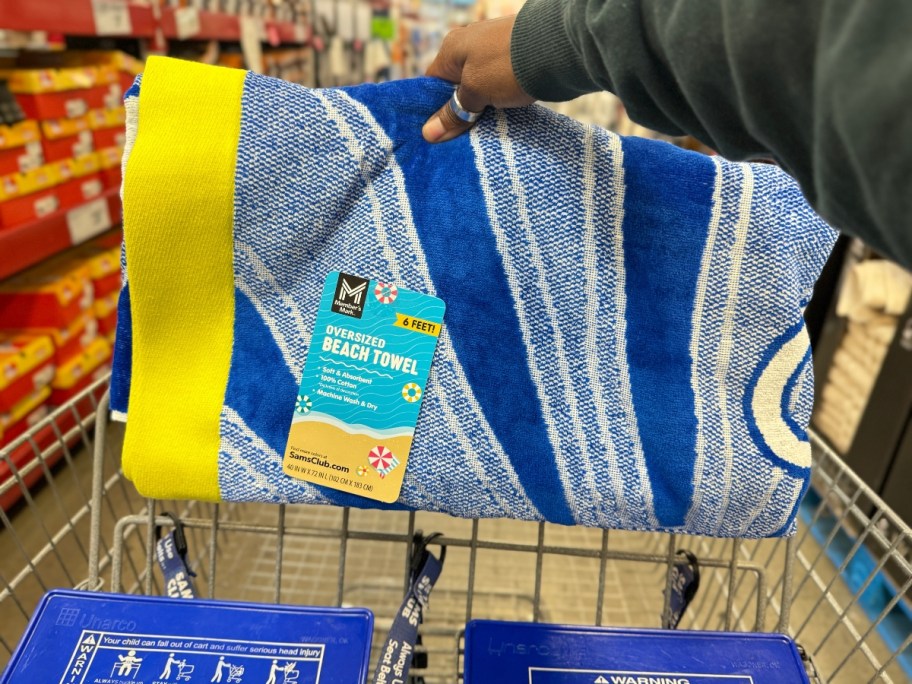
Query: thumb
{"points": [[445, 125], [448, 65]]}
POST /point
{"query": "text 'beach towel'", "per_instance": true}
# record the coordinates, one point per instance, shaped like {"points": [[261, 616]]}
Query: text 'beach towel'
{"points": [[623, 344]]}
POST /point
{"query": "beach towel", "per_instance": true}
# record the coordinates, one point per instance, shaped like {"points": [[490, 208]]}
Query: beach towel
{"points": [[623, 345]]}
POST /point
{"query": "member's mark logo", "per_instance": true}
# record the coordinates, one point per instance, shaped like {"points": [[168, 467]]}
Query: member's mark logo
{"points": [[348, 298]]}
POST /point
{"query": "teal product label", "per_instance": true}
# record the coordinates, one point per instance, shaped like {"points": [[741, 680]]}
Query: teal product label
{"points": [[367, 367]]}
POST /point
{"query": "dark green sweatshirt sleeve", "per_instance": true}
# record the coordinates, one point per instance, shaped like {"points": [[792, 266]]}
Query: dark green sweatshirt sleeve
{"points": [[822, 86]]}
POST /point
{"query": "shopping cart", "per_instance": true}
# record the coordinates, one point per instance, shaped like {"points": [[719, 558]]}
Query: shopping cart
{"points": [[841, 587]]}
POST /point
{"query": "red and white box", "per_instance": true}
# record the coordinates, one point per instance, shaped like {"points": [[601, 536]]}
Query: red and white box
{"points": [[106, 313], [52, 295], [68, 342], [26, 366], [20, 148], [67, 104], [104, 267], [80, 371], [69, 146], [108, 127], [26, 197], [109, 159], [82, 181], [24, 415], [28, 208], [63, 92]]}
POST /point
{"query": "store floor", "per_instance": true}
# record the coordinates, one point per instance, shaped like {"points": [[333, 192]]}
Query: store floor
{"points": [[504, 581]]}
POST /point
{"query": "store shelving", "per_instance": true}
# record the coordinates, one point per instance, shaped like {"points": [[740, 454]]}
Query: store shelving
{"points": [[78, 17], [87, 18], [31, 243], [227, 27], [212, 25], [293, 33]]}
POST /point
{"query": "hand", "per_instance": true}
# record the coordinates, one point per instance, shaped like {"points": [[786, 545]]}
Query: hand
{"points": [[477, 57]]}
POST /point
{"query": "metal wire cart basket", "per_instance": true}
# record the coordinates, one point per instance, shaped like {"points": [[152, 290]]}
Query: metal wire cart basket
{"points": [[842, 587]]}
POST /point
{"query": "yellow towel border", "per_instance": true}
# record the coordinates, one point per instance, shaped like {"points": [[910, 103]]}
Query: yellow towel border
{"points": [[178, 197]]}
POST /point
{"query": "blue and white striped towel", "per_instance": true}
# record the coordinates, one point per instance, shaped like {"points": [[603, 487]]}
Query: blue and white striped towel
{"points": [[623, 345]]}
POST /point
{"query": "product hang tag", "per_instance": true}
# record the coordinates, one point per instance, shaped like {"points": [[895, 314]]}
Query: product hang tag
{"points": [[368, 363]]}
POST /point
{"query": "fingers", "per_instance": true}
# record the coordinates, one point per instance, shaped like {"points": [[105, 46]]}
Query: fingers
{"points": [[451, 59], [477, 57], [470, 98], [444, 125]]}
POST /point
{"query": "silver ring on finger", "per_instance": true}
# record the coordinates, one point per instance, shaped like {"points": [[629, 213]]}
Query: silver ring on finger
{"points": [[461, 112]]}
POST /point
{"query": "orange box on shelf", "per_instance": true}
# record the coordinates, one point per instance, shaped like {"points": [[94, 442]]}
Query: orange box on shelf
{"points": [[28, 196], [107, 118], [108, 127], [50, 80], [68, 70], [107, 73], [77, 167], [109, 137], [112, 177], [68, 342], [104, 267], [18, 184], [24, 415], [79, 190], [21, 159], [65, 104], [20, 134], [126, 66], [26, 365], [69, 146], [106, 313], [51, 295], [28, 208], [109, 159], [20, 147], [121, 61], [114, 97], [52, 129], [81, 180], [80, 372]]}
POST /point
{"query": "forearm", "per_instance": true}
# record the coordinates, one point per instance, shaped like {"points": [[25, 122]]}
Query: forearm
{"points": [[816, 85]]}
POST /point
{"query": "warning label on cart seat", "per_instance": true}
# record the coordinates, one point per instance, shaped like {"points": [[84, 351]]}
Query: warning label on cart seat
{"points": [[498, 651], [564, 676], [117, 658]]}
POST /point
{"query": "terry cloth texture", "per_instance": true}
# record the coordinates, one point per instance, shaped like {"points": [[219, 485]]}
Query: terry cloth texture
{"points": [[623, 345]]}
